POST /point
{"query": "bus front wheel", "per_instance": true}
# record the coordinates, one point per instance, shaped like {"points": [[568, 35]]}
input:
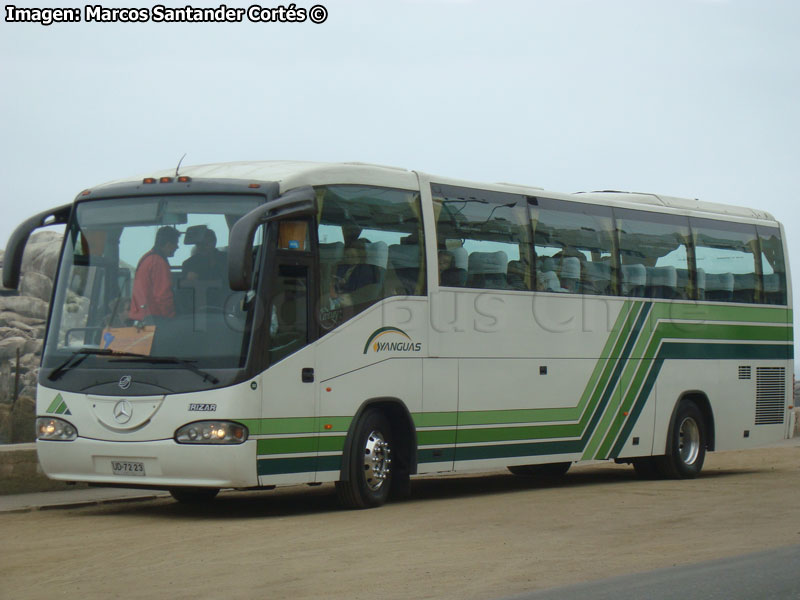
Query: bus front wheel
{"points": [[369, 464]]}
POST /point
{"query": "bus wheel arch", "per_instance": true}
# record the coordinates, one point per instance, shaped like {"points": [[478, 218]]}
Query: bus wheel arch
{"points": [[401, 440]]}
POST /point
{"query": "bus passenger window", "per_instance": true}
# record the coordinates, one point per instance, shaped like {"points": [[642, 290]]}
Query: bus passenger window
{"points": [[773, 266], [371, 247], [483, 238], [726, 254], [654, 254], [574, 246]]}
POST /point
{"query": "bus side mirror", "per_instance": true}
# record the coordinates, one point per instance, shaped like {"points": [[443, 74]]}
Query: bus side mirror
{"points": [[12, 261], [299, 202]]}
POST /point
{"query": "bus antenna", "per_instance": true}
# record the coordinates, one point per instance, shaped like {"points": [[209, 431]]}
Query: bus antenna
{"points": [[179, 164]]}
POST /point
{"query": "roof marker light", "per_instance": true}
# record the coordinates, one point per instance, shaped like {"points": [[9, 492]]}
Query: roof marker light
{"points": [[165, 180], [149, 180], [184, 179], [254, 185]]}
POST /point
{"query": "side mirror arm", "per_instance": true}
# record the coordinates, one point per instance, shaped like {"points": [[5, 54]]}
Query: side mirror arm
{"points": [[12, 261]]}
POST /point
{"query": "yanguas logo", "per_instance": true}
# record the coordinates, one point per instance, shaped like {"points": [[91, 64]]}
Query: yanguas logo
{"points": [[391, 339]]}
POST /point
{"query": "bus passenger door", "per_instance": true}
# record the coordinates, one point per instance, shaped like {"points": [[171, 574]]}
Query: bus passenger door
{"points": [[287, 450]]}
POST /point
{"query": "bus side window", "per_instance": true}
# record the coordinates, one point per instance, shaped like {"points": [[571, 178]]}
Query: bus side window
{"points": [[773, 266], [371, 246], [481, 236], [654, 249], [726, 253], [574, 246]]}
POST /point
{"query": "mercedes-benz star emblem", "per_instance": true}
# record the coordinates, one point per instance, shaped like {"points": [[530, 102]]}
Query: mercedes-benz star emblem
{"points": [[123, 411], [125, 382]]}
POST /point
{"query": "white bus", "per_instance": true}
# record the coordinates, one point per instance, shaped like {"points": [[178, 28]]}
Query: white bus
{"points": [[361, 324]]}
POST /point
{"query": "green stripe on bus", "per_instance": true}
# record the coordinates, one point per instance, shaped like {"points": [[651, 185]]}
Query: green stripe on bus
{"points": [[504, 434], [614, 344], [619, 369], [436, 437], [300, 445], [435, 419], [301, 464], [296, 425], [722, 312]]}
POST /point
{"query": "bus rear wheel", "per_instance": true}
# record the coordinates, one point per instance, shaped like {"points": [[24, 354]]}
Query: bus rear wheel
{"points": [[686, 446], [369, 464]]}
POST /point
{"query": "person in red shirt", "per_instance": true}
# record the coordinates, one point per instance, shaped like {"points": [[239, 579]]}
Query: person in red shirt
{"points": [[152, 285]]}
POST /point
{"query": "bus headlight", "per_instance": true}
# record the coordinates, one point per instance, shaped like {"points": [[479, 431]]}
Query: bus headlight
{"points": [[211, 432], [59, 430]]}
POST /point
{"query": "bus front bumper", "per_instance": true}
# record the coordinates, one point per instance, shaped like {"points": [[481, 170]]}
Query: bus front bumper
{"points": [[158, 464]]}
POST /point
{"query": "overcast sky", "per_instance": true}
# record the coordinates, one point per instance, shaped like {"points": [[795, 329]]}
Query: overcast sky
{"points": [[694, 98]]}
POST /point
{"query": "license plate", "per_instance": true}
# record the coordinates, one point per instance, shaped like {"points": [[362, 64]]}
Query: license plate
{"points": [[127, 467]]}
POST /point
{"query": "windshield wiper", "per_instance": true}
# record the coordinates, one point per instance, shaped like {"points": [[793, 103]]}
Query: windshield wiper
{"points": [[174, 360], [84, 353], [71, 363]]}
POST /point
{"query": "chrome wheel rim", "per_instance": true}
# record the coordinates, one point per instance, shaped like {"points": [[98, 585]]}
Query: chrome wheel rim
{"points": [[377, 461], [689, 441]]}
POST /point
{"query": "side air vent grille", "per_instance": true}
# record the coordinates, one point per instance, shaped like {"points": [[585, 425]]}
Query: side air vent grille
{"points": [[744, 372], [770, 395]]}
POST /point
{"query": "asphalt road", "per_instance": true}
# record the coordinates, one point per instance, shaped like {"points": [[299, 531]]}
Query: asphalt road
{"points": [[770, 575]]}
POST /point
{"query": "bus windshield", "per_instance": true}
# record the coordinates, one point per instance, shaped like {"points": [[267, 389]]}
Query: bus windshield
{"points": [[148, 277]]}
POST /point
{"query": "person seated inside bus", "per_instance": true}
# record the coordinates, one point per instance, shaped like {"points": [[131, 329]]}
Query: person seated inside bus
{"points": [[354, 272], [152, 298], [448, 274]]}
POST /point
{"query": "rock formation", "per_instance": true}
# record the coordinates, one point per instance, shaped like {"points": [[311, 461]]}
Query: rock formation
{"points": [[22, 326]]}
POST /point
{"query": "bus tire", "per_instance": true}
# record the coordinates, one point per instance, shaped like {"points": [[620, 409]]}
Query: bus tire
{"points": [[686, 445], [194, 495], [550, 471], [369, 464]]}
